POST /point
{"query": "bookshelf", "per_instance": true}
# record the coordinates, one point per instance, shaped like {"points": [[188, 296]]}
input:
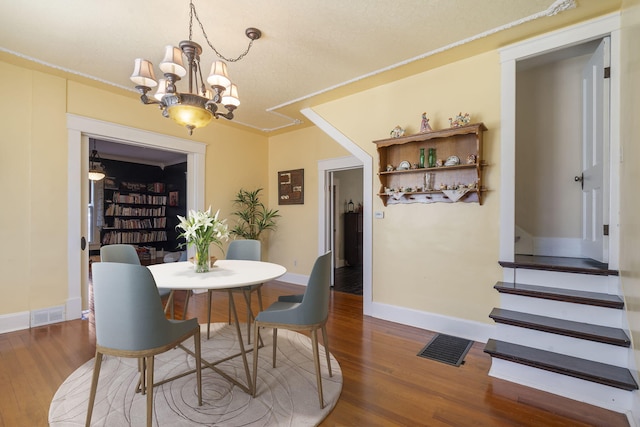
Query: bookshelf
{"points": [[136, 213]]}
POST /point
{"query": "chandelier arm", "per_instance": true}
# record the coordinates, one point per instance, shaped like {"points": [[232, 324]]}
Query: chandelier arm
{"points": [[252, 33], [143, 96]]}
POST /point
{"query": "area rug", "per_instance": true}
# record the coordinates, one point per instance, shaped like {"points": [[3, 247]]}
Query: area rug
{"points": [[286, 395]]}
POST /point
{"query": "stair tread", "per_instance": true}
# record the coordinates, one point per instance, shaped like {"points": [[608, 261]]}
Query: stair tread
{"points": [[560, 264], [598, 333], [589, 370], [560, 294]]}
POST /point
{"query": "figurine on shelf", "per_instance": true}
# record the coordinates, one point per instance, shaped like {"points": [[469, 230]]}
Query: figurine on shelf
{"points": [[471, 159], [460, 120], [424, 125], [397, 132]]}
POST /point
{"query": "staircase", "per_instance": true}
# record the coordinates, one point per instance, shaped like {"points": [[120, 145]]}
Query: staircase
{"points": [[561, 328]]}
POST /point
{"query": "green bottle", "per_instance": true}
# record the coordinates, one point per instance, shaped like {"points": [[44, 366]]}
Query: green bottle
{"points": [[421, 163]]}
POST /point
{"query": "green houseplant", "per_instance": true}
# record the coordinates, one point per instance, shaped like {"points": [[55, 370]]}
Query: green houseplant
{"points": [[253, 216]]}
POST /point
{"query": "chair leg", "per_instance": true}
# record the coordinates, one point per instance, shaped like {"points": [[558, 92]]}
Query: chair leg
{"points": [[94, 386], [256, 334], [197, 348], [209, 292], [149, 391], [275, 345], [325, 341], [316, 360]]}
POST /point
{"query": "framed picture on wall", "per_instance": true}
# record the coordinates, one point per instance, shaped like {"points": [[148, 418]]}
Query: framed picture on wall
{"points": [[291, 187], [173, 198]]}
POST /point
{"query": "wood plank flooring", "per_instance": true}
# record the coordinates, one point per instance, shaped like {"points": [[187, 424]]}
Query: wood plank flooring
{"points": [[385, 382]]}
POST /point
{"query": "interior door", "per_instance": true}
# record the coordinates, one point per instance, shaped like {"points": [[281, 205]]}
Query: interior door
{"points": [[595, 154]]}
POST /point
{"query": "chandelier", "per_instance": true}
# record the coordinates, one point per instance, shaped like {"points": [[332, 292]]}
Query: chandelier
{"points": [[195, 108], [96, 170]]}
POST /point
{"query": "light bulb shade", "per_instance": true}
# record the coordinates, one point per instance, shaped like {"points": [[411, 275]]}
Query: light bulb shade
{"points": [[172, 62], [96, 170], [189, 110], [162, 89], [230, 96], [95, 175], [143, 73], [219, 75]]}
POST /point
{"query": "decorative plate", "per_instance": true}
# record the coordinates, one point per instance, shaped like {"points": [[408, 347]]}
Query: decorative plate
{"points": [[404, 165], [452, 161]]}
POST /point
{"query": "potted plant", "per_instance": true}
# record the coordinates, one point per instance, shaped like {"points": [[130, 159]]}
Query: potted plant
{"points": [[253, 216]]}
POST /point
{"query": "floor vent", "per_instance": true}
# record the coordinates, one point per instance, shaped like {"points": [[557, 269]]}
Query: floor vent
{"points": [[47, 316], [446, 349]]}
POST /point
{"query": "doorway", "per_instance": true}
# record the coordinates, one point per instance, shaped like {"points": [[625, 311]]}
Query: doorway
{"points": [[550, 198], [347, 211], [79, 130], [545, 218]]}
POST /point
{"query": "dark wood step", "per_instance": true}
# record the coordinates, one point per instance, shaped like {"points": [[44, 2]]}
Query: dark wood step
{"points": [[566, 295], [589, 370], [586, 331], [560, 264]]}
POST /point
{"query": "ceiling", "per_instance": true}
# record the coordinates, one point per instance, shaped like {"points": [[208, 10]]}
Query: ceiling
{"points": [[310, 51]]}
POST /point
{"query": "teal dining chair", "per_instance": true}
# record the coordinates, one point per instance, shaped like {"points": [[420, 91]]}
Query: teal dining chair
{"points": [[130, 322], [308, 313], [249, 250], [127, 254]]}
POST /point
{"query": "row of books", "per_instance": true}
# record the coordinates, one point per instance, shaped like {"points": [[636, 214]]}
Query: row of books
{"points": [[154, 187], [119, 210], [140, 223], [133, 237], [137, 198]]}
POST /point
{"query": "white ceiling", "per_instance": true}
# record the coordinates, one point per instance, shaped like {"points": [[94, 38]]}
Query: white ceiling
{"points": [[309, 50]]}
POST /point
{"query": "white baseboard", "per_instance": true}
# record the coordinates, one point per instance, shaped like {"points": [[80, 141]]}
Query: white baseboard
{"points": [[467, 329], [296, 279], [14, 321]]}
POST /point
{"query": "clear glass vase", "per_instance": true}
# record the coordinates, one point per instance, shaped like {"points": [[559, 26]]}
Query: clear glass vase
{"points": [[201, 261]]}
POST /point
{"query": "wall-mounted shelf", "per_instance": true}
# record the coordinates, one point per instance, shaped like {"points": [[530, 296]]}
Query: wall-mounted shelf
{"points": [[460, 182]]}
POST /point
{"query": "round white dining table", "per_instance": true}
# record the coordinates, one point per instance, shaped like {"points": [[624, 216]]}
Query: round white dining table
{"points": [[227, 275], [224, 274]]}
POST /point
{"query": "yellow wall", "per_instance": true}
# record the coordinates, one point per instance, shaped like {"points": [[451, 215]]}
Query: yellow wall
{"points": [[295, 242], [629, 171], [33, 174], [438, 258]]}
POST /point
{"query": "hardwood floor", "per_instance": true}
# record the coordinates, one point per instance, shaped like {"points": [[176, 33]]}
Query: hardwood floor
{"points": [[385, 383]]}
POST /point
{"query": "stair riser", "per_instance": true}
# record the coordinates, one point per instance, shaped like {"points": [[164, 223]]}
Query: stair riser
{"points": [[583, 282], [563, 310], [573, 388], [584, 349]]}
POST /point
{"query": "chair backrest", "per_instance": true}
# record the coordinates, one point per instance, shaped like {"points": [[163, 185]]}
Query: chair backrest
{"points": [[128, 308], [125, 254], [244, 250], [314, 307]]}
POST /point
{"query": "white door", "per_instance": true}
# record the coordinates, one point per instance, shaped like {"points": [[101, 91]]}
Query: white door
{"points": [[595, 154]]}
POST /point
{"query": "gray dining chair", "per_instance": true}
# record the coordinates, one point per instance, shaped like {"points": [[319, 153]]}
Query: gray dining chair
{"points": [[308, 314], [249, 250], [127, 254], [130, 322]]}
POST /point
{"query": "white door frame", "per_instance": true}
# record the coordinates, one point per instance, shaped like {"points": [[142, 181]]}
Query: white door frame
{"points": [[79, 129], [362, 159], [566, 37]]}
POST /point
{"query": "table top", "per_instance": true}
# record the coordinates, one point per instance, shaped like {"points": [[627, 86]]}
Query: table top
{"points": [[224, 274]]}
